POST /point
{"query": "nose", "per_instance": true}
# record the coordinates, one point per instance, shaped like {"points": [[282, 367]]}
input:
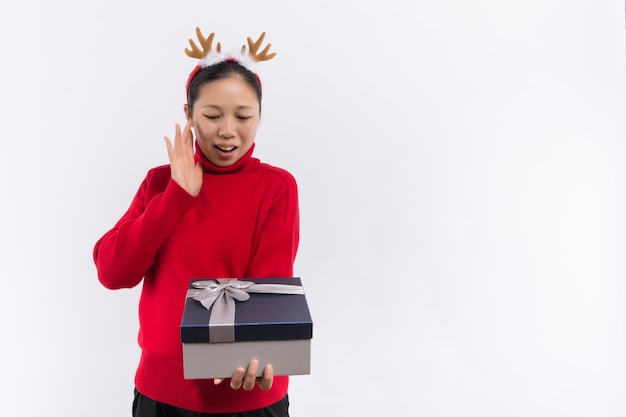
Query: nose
{"points": [[227, 128]]}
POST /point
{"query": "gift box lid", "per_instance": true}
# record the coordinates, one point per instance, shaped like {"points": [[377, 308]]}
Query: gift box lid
{"points": [[262, 317]]}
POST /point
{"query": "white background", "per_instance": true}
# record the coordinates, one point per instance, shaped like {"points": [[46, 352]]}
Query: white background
{"points": [[462, 189]]}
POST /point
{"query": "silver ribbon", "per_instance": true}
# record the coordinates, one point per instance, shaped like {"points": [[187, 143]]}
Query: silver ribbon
{"points": [[221, 294]]}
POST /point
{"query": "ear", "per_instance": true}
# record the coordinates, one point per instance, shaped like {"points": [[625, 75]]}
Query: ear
{"points": [[186, 109]]}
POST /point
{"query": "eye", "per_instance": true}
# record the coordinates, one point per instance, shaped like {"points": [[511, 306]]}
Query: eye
{"points": [[244, 117], [211, 116]]}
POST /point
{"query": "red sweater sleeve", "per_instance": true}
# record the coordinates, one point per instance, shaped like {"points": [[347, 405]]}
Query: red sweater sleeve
{"points": [[125, 253], [277, 246]]}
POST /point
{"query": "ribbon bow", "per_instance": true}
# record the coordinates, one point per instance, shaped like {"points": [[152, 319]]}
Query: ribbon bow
{"points": [[221, 295]]}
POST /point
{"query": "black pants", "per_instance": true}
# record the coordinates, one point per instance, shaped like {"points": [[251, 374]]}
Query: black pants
{"points": [[147, 407]]}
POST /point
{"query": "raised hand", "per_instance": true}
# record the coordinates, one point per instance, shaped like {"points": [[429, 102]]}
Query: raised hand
{"points": [[185, 171]]}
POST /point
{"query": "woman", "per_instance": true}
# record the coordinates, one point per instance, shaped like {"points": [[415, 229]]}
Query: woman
{"points": [[214, 211]]}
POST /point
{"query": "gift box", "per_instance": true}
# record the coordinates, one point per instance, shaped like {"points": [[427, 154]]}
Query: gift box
{"points": [[228, 322]]}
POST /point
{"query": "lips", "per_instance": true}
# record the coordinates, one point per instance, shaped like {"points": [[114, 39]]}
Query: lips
{"points": [[225, 148]]}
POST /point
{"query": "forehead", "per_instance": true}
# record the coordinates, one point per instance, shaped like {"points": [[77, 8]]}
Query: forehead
{"points": [[230, 88]]}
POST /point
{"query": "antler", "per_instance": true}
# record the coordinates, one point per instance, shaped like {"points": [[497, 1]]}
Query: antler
{"points": [[254, 47], [206, 44]]}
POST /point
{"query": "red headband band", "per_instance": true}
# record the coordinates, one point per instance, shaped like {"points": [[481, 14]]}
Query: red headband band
{"points": [[199, 67]]}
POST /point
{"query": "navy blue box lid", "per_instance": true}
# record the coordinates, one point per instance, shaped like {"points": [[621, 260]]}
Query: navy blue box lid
{"points": [[262, 317]]}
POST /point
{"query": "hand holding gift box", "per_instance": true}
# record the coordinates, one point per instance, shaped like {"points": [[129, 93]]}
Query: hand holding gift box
{"points": [[228, 322], [247, 378]]}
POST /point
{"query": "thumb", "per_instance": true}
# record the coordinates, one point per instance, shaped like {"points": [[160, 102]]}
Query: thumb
{"points": [[168, 144]]}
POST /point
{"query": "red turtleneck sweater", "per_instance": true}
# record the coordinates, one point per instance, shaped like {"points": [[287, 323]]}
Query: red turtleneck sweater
{"points": [[244, 223]]}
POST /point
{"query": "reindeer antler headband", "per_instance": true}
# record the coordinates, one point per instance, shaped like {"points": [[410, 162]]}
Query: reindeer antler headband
{"points": [[208, 56]]}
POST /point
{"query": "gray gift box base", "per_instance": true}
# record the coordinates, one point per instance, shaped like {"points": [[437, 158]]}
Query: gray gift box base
{"points": [[219, 360]]}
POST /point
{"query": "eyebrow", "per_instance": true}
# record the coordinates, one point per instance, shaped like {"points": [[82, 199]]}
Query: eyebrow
{"points": [[215, 106]]}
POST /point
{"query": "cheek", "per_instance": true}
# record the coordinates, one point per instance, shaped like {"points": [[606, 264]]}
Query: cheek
{"points": [[249, 132], [202, 129]]}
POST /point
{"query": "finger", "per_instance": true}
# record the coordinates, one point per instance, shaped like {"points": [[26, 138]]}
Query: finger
{"points": [[169, 146], [217, 381], [250, 378], [177, 136], [237, 378], [268, 378], [186, 135]]}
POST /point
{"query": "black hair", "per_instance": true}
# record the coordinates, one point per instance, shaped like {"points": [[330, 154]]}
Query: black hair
{"points": [[220, 71]]}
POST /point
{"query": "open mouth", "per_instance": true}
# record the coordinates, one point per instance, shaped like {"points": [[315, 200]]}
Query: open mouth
{"points": [[225, 149]]}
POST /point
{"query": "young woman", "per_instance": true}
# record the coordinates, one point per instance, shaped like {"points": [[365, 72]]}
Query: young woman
{"points": [[214, 211]]}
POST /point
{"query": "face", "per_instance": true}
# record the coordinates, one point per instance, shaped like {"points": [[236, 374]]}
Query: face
{"points": [[225, 117]]}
